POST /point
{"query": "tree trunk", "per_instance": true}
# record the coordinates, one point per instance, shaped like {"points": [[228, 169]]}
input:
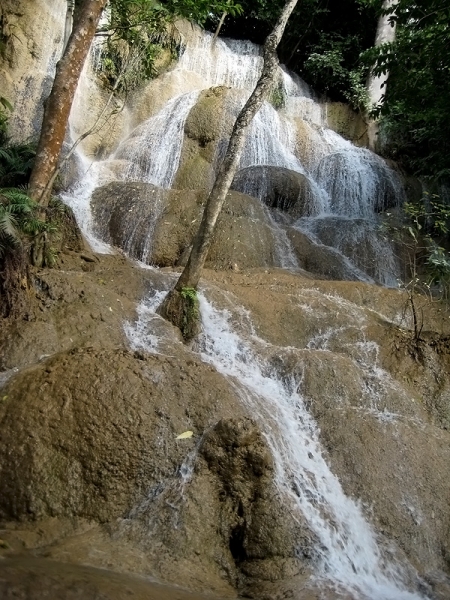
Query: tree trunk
{"points": [[57, 106], [385, 34], [376, 84], [174, 307]]}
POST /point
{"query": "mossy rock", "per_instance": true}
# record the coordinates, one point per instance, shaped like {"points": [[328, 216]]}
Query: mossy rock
{"points": [[196, 172], [205, 122]]}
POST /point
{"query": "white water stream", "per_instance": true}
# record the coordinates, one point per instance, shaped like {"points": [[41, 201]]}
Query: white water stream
{"points": [[348, 554]]}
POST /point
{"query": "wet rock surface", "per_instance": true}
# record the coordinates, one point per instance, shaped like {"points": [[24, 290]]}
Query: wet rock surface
{"points": [[123, 212], [278, 188], [92, 471]]}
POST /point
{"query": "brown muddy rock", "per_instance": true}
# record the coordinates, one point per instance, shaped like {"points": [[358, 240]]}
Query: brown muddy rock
{"points": [[320, 259], [243, 237], [91, 435], [29, 578], [34, 579], [423, 366], [278, 188], [123, 210], [264, 541], [382, 411], [92, 471], [84, 302], [86, 424], [356, 241]]}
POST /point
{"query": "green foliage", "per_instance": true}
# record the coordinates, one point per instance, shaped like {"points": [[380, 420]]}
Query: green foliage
{"points": [[419, 232], [329, 70], [191, 295], [21, 219], [277, 97], [322, 42], [416, 112], [16, 160], [191, 314], [126, 66], [18, 219], [5, 108], [137, 31]]}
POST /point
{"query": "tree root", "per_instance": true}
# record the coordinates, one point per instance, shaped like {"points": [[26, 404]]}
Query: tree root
{"points": [[181, 309]]}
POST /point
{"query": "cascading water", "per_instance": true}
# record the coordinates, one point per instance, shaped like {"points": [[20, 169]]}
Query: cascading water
{"points": [[345, 187], [148, 159], [348, 554]]}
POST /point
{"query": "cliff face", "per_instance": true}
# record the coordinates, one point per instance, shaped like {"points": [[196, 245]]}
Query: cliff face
{"points": [[33, 36]]}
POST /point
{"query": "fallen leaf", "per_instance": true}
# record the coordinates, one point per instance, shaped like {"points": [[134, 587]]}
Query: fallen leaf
{"points": [[185, 435]]}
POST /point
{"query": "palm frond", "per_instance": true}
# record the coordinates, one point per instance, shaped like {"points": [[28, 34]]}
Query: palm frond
{"points": [[9, 226]]}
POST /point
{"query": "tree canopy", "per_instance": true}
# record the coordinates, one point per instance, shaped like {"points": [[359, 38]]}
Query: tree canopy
{"points": [[416, 111], [322, 43]]}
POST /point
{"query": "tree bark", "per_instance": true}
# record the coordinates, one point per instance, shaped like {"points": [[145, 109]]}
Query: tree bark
{"points": [[173, 307], [376, 84], [57, 106]]}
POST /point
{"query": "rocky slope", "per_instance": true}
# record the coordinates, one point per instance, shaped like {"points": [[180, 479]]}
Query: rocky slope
{"points": [[91, 469]]}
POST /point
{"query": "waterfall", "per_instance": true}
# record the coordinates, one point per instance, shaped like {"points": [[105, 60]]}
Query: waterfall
{"points": [[348, 554], [344, 188], [149, 158]]}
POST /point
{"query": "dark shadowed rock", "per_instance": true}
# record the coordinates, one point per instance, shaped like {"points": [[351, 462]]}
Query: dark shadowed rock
{"points": [[277, 187]]}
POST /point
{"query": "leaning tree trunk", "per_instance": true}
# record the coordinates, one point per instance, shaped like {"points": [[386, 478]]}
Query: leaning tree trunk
{"points": [[179, 305], [57, 106]]}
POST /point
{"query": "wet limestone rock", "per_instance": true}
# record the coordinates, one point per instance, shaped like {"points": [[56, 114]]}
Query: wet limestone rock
{"points": [[33, 36], [122, 212], [207, 130], [348, 123], [318, 258], [264, 542], [89, 437], [382, 411], [277, 187]]}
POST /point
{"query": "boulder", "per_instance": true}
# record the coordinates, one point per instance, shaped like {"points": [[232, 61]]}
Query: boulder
{"points": [[207, 130], [157, 226], [90, 437], [360, 241], [320, 259], [280, 188]]}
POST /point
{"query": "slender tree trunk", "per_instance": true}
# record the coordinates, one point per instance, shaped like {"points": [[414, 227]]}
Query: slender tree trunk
{"points": [[376, 84], [57, 106], [177, 306], [219, 26]]}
